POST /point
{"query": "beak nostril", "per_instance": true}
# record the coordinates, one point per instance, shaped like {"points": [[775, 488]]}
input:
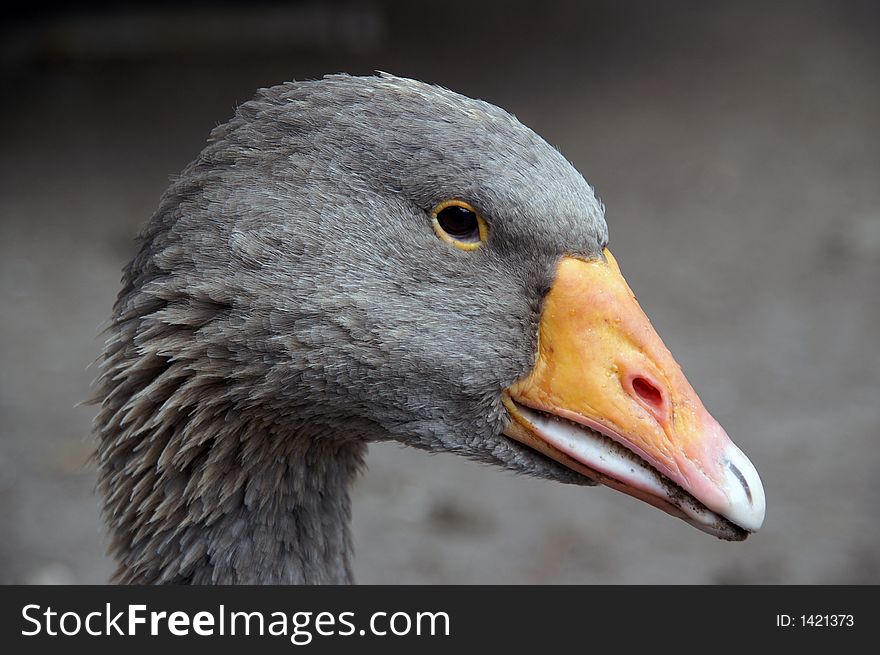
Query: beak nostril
{"points": [[647, 392]]}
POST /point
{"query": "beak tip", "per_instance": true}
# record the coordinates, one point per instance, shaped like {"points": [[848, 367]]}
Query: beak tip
{"points": [[744, 491]]}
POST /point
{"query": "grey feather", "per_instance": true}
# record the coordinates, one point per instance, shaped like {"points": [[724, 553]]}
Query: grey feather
{"points": [[290, 303]]}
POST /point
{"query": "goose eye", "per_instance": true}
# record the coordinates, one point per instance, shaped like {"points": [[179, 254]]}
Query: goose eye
{"points": [[456, 222]]}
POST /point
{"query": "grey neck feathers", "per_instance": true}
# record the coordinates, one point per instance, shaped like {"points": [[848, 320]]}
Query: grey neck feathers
{"points": [[212, 494]]}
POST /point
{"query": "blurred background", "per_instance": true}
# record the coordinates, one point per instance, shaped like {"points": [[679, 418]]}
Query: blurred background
{"points": [[736, 146]]}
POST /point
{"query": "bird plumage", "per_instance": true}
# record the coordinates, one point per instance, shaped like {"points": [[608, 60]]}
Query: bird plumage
{"points": [[289, 303]]}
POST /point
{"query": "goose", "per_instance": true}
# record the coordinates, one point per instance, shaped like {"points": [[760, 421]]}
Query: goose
{"points": [[360, 259]]}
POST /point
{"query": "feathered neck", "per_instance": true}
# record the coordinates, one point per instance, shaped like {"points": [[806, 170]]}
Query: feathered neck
{"points": [[199, 487]]}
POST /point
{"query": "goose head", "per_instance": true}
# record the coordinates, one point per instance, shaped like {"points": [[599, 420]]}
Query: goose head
{"points": [[375, 258]]}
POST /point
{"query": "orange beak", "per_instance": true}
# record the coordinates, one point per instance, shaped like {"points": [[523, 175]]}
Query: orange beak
{"points": [[607, 399]]}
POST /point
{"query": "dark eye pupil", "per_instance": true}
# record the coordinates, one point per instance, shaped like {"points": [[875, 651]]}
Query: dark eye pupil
{"points": [[459, 222]]}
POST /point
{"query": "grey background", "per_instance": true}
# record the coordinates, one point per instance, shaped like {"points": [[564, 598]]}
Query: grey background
{"points": [[734, 144]]}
